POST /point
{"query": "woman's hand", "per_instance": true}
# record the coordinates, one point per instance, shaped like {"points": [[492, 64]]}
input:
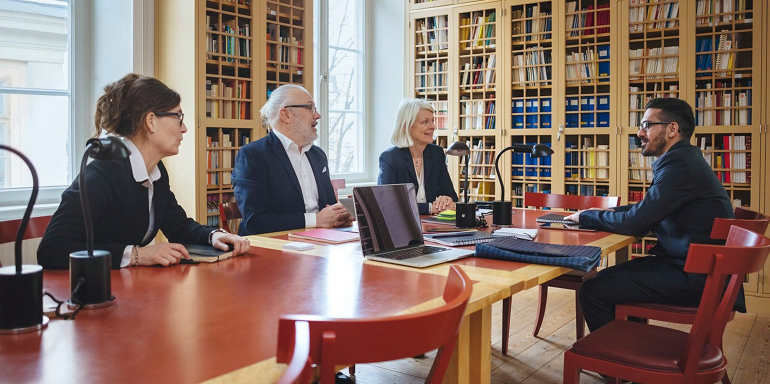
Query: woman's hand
{"points": [[240, 245], [164, 254], [443, 203]]}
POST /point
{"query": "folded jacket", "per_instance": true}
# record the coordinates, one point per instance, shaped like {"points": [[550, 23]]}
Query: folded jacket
{"points": [[580, 257]]}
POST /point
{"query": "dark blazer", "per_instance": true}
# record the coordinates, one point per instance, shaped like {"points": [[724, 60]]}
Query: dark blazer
{"points": [[679, 208], [267, 188], [396, 167], [120, 215]]}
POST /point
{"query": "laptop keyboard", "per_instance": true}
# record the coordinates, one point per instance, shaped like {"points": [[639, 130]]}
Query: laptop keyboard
{"points": [[412, 252]]}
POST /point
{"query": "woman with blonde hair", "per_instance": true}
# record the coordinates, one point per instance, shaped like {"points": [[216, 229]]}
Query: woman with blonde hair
{"points": [[415, 159]]}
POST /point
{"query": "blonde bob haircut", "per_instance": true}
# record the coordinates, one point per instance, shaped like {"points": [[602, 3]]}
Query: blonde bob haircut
{"points": [[407, 114]]}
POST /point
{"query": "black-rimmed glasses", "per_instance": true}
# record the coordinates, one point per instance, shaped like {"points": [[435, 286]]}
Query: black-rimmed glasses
{"points": [[179, 115], [645, 125], [309, 107]]}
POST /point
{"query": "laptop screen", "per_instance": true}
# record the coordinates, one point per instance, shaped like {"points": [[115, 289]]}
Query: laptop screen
{"points": [[387, 216]]}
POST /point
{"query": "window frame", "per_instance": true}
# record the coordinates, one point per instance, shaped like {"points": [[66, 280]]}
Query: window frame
{"points": [[321, 86]]}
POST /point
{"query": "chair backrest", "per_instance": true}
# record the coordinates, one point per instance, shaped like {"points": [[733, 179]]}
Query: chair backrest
{"points": [[338, 184], [300, 366], [744, 252], [551, 200], [335, 342], [35, 228], [227, 212], [744, 218]]}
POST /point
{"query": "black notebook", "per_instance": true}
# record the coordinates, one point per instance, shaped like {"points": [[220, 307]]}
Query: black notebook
{"points": [[460, 238], [554, 218], [206, 253]]}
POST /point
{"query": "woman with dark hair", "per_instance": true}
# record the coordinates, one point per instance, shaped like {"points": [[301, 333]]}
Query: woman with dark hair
{"points": [[130, 199]]}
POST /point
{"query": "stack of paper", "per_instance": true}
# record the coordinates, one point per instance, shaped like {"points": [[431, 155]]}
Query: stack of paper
{"points": [[447, 215]]}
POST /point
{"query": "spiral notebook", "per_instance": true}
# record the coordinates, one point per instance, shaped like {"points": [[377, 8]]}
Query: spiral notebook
{"points": [[554, 218], [460, 238]]}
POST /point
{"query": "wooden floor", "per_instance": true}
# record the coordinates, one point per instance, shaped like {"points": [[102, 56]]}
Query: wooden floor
{"points": [[540, 359]]}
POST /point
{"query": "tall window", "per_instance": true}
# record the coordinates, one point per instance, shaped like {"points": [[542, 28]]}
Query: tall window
{"points": [[35, 90], [339, 90]]}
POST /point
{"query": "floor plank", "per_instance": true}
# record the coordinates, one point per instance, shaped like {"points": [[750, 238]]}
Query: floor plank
{"points": [[540, 360]]}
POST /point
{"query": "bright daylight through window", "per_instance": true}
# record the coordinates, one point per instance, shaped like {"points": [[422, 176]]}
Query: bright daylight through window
{"points": [[343, 121], [35, 90]]}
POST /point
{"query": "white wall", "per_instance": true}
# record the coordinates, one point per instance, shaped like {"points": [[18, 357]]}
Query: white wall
{"points": [[386, 82]]}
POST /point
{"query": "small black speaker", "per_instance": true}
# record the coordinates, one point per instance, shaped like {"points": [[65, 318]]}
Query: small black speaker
{"points": [[466, 215], [502, 212]]}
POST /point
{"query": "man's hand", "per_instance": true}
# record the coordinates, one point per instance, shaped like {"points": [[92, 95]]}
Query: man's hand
{"points": [[575, 217], [164, 254], [240, 245], [333, 216]]}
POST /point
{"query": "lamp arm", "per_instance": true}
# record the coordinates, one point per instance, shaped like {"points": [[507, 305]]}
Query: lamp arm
{"points": [[467, 169], [84, 200], [497, 169], [30, 205]]}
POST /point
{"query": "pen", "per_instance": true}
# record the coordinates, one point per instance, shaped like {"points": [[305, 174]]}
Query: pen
{"points": [[453, 235], [448, 230]]}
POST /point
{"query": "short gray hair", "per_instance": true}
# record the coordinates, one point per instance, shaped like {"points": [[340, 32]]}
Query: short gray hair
{"points": [[405, 117], [279, 98]]}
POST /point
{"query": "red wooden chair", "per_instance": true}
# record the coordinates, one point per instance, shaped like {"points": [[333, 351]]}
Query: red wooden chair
{"points": [[572, 280], [35, 228], [338, 184], [227, 212], [300, 369], [744, 218], [341, 342], [651, 354]]}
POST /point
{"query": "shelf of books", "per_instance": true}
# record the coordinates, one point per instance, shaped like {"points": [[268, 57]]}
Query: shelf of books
{"points": [[481, 168], [587, 166], [431, 68], [476, 75], [422, 4], [286, 30], [529, 174], [725, 69], [588, 91], [222, 144], [642, 247], [652, 50]]}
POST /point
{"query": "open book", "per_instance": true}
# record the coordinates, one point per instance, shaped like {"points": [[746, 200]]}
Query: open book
{"points": [[206, 253]]}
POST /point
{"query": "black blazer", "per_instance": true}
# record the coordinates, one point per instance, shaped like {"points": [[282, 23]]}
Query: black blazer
{"points": [[267, 188], [120, 215], [396, 167]]}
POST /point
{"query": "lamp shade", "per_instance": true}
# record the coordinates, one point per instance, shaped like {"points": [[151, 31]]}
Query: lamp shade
{"points": [[458, 148]]}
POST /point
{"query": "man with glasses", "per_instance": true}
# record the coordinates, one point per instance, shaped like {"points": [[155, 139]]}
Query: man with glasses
{"points": [[281, 181], [679, 208]]}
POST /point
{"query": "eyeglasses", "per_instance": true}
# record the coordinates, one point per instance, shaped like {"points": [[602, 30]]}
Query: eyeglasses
{"points": [[645, 125], [309, 107], [179, 115]]}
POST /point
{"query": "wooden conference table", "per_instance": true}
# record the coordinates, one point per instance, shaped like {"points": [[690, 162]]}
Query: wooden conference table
{"points": [[219, 322]]}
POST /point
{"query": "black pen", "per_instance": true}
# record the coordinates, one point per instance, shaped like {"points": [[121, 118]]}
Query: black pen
{"points": [[452, 235]]}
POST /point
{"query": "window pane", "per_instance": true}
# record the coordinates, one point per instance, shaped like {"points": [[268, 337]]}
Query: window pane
{"points": [[344, 77], [344, 23], [38, 126], [345, 143], [35, 43]]}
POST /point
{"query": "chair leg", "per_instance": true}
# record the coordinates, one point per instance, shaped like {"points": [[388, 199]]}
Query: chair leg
{"points": [[541, 301], [506, 323], [352, 370], [571, 372], [725, 379], [580, 322]]}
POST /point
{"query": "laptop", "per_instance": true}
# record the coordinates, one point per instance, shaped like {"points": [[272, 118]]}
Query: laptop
{"points": [[390, 231]]}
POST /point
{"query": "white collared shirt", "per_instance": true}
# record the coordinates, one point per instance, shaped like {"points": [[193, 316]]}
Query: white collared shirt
{"points": [[139, 170], [304, 174]]}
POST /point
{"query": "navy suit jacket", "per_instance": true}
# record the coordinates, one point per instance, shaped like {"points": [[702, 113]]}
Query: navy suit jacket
{"points": [[679, 208], [396, 167], [267, 188]]}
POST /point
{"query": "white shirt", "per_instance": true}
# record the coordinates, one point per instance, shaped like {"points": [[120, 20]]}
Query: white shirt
{"points": [[421, 188], [304, 174], [139, 170]]}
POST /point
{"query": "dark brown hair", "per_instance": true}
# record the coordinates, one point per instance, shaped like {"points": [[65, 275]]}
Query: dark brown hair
{"points": [[675, 110], [126, 102]]}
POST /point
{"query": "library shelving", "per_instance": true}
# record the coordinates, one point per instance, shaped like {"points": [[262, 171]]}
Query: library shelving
{"points": [[243, 49], [589, 77], [431, 73]]}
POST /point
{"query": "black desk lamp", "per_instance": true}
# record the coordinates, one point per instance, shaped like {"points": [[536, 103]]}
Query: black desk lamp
{"points": [[465, 212], [90, 282], [502, 210], [21, 286]]}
